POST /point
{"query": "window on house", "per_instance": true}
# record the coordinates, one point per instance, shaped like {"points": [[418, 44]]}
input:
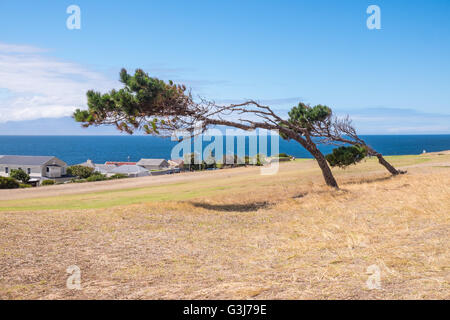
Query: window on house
{"points": [[28, 170], [6, 170], [48, 169]]}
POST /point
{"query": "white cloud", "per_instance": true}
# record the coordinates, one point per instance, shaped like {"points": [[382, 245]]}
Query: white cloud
{"points": [[39, 86], [419, 129], [18, 48], [398, 121]]}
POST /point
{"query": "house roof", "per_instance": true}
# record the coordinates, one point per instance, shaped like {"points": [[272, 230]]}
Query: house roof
{"points": [[177, 161], [26, 160], [119, 163], [129, 169], [151, 162], [108, 168]]}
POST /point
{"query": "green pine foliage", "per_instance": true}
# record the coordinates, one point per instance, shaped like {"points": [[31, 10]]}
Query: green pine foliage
{"points": [[129, 107], [344, 156], [306, 116]]}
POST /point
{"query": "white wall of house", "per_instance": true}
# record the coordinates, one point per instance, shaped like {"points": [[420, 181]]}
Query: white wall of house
{"points": [[33, 171], [53, 172], [54, 168]]}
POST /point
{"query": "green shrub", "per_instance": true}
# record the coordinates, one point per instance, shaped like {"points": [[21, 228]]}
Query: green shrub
{"points": [[8, 183], [47, 182], [24, 186], [81, 172], [282, 155], [20, 175], [257, 160], [345, 156], [118, 176], [96, 177]]}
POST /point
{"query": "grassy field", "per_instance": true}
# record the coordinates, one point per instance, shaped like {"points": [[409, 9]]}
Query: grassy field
{"points": [[237, 234]]}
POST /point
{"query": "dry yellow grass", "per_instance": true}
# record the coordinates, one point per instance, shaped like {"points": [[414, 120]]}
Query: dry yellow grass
{"points": [[259, 237]]}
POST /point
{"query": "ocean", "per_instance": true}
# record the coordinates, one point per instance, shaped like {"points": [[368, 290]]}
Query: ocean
{"points": [[77, 149]]}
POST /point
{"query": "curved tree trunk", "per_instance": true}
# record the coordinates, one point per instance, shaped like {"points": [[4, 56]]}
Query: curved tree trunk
{"points": [[387, 165], [326, 171], [384, 163], [323, 164]]}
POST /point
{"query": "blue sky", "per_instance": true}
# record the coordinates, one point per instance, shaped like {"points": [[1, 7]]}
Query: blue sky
{"points": [[391, 81]]}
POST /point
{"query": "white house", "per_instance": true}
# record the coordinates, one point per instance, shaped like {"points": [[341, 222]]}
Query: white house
{"points": [[34, 166]]}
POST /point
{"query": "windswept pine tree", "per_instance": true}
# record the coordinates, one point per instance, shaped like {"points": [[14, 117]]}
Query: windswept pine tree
{"points": [[158, 107]]}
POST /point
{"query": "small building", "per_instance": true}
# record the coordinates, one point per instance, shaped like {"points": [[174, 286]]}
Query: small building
{"points": [[39, 167], [132, 171], [153, 164], [176, 163]]}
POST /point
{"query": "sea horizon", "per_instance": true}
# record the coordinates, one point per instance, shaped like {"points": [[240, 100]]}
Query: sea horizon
{"points": [[74, 149]]}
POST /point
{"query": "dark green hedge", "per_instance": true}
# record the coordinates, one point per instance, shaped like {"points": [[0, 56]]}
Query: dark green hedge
{"points": [[8, 183]]}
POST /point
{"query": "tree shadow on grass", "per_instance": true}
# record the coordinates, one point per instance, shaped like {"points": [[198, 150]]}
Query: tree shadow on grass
{"points": [[244, 207], [369, 180], [300, 195], [330, 191]]}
